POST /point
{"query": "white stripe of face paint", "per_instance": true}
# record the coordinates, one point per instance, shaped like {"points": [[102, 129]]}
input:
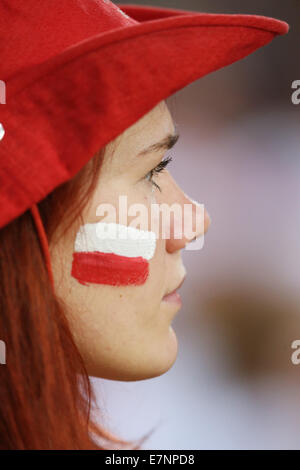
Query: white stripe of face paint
{"points": [[115, 238]]}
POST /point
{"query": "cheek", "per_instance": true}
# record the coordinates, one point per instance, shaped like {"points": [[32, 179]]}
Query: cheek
{"points": [[113, 254]]}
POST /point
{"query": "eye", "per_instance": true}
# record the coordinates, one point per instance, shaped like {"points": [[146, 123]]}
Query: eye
{"points": [[159, 168]]}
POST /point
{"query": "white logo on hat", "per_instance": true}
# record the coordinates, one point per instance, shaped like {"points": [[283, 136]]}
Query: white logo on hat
{"points": [[2, 131]]}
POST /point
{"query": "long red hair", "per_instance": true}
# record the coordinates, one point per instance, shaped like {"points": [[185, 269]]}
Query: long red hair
{"points": [[46, 399]]}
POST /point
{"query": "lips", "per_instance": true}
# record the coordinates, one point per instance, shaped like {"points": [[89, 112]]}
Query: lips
{"points": [[173, 297], [176, 288]]}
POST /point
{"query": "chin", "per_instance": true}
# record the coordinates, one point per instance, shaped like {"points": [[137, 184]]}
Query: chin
{"points": [[153, 363]]}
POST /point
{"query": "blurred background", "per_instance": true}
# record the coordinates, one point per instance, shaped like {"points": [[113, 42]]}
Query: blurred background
{"points": [[233, 385]]}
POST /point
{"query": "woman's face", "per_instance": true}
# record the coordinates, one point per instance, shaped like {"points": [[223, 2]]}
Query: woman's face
{"points": [[123, 329]]}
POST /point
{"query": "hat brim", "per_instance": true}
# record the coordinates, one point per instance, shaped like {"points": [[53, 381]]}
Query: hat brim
{"points": [[64, 110]]}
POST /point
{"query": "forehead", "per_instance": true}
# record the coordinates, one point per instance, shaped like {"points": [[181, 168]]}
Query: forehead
{"points": [[151, 128]]}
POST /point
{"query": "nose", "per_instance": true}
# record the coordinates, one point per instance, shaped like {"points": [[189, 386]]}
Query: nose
{"points": [[187, 224]]}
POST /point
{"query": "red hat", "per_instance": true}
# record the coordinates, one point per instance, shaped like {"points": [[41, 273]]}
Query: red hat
{"points": [[80, 72]]}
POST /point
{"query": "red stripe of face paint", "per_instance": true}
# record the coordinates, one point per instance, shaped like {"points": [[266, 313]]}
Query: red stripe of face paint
{"points": [[109, 268]]}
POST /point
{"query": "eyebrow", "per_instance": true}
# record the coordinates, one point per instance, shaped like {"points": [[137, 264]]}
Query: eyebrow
{"points": [[165, 144]]}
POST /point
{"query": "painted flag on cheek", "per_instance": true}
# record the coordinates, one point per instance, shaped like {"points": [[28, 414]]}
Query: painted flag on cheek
{"points": [[109, 253]]}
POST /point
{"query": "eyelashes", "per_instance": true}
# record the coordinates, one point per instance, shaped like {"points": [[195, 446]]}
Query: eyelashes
{"points": [[158, 169]]}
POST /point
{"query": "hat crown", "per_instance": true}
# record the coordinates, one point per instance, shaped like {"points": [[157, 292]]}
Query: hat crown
{"points": [[33, 31]]}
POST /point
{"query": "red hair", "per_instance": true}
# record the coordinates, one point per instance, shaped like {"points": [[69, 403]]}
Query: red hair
{"points": [[46, 399]]}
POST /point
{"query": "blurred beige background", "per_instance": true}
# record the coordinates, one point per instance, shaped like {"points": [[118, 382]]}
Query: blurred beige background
{"points": [[233, 385]]}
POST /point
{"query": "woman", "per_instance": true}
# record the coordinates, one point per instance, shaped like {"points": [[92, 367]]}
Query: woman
{"points": [[85, 124]]}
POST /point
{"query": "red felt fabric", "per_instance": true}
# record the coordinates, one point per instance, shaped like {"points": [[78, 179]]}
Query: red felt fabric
{"points": [[77, 77]]}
